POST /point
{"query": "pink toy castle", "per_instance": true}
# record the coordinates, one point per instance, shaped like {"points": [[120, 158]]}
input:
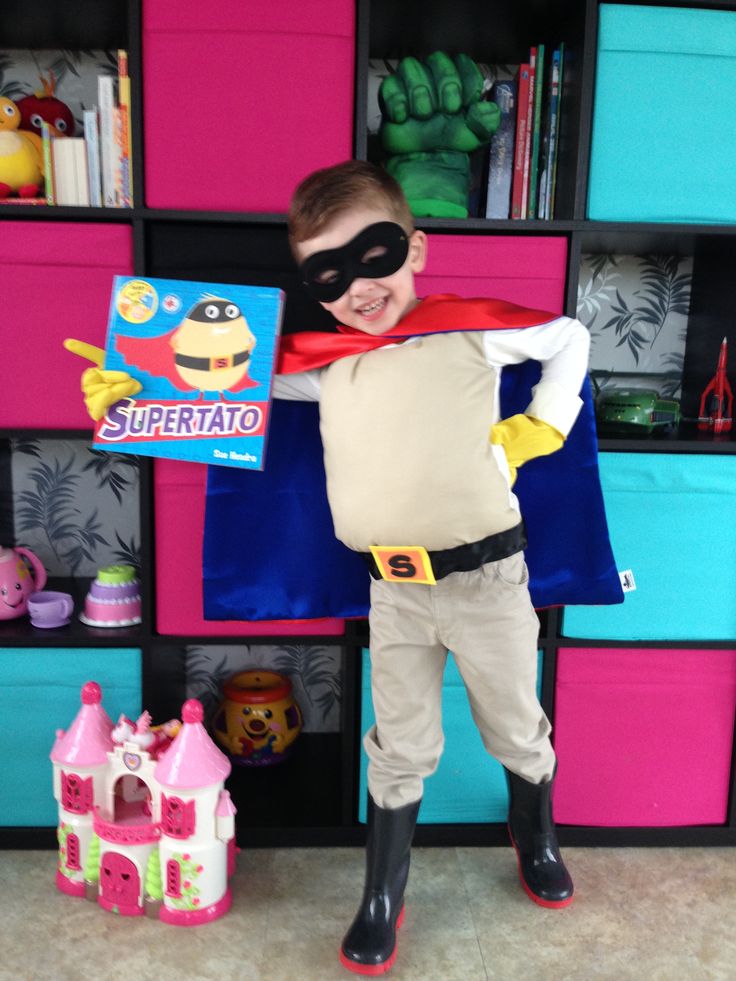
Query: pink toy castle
{"points": [[145, 824]]}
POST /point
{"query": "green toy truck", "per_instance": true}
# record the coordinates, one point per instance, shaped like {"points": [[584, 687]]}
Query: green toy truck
{"points": [[635, 411]]}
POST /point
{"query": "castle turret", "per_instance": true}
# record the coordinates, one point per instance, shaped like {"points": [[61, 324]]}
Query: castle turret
{"points": [[79, 758], [194, 837]]}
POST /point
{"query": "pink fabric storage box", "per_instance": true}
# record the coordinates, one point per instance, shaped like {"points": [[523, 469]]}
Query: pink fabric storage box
{"points": [[179, 495], [243, 100], [529, 271], [644, 736], [57, 280]]}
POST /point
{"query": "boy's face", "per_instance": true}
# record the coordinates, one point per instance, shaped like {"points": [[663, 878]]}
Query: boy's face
{"points": [[371, 305]]}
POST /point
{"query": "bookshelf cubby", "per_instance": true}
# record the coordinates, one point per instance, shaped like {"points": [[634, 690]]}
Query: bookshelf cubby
{"points": [[192, 221]]}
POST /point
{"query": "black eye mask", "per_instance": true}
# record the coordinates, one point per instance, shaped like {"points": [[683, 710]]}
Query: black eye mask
{"points": [[327, 275]]}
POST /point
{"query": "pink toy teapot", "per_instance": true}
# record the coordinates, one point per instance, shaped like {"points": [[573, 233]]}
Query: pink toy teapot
{"points": [[17, 582]]}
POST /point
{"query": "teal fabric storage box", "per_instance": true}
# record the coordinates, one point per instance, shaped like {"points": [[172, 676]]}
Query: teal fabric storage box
{"points": [[671, 522], [40, 693], [469, 786], [664, 140]]}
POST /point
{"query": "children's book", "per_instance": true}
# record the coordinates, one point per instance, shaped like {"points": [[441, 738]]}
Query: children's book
{"points": [[204, 354], [501, 162], [558, 61], [548, 179], [528, 135], [536, 132], [522, 111], [92, 143]]}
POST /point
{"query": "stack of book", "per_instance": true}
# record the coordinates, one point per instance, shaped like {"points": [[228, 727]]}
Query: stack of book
{"points": [[522, 169], [95, 170]]}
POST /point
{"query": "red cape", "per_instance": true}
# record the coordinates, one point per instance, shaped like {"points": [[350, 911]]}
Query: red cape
{"points": [[437, 314]]}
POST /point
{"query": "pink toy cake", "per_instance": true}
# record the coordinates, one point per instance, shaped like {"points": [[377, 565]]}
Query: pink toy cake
{"points": [[114, 598]]}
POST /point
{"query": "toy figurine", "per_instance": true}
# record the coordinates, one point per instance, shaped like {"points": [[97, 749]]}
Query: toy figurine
{"points": [[21, 155], [145, 824], [44, 106]]}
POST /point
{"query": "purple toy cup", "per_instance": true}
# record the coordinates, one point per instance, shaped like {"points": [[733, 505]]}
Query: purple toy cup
{"points": [[49, 609]]}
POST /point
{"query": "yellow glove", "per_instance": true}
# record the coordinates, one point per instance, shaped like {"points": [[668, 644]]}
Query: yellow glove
{"points": [[101, 388], [524, 438]]}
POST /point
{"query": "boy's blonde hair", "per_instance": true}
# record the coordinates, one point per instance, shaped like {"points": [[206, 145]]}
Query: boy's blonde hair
{"points": [[332, 191]]}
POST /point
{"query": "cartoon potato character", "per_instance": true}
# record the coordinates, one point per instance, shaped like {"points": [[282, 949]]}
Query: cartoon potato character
{"points": [[209, 351]]}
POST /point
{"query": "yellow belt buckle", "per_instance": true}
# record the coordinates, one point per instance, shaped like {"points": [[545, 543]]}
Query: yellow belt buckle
{"points": [[404, 563]]}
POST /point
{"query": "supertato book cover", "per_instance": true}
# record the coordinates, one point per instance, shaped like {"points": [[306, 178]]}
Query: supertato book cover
{"points": [[204, 354]]}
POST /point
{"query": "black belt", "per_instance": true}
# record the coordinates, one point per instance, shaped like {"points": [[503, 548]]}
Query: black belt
{"points": [[211, 364], [465, 558]]}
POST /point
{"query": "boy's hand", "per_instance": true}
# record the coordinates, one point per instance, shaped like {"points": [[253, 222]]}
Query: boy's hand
{"points": [[101, 388], [524, 438], [433, 117]]}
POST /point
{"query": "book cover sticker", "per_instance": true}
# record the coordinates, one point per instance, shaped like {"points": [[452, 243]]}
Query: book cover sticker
{"points": [[204, 354]]}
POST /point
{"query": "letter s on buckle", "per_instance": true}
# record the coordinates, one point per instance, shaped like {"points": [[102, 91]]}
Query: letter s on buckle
{"points": [[407, 563]]}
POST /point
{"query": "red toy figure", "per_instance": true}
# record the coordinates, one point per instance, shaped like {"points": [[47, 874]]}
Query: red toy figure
{"points": [[716, 402], [44, 107]]}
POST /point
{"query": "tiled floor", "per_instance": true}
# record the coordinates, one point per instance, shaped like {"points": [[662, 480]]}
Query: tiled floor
{"points": [[647, 914]]}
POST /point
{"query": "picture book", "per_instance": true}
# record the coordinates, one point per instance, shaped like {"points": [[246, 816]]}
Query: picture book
{"points": [[528, 134], [204, 354], [501, 162], [549, 173], [558, 60], [522, 110], [536, 132]]}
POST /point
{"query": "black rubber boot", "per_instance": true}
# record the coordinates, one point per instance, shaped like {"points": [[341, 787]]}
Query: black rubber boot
{"points": [[369, 946], [541, 869]]}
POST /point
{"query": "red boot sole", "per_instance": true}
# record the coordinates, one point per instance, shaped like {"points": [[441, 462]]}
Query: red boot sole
{"points": [[373, 969], [546, 903]]}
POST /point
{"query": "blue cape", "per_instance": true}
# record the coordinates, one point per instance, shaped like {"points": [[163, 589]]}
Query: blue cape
{"points": [[270, 552]]}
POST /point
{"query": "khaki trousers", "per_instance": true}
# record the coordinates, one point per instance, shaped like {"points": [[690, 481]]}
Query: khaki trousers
{"points": [[485, 617]]}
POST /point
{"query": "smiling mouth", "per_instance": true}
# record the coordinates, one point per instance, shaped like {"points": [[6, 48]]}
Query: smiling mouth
{"points": [[371, 309]]}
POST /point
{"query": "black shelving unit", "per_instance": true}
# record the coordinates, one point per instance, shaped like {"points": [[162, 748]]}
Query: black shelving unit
{"points": [[312, 800]]}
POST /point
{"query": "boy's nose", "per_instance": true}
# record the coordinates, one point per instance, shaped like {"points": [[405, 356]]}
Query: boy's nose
{"points": [[359, 286]]}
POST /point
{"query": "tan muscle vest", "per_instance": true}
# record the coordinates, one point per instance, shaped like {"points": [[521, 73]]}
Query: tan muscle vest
{"points": [[405, 432]]}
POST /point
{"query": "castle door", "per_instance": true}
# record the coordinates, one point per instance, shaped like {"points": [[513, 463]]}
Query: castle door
{"points": [[120, 885]]}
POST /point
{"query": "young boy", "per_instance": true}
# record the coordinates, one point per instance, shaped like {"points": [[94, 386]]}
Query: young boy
{"points": [[419, 476], [415, 454]]}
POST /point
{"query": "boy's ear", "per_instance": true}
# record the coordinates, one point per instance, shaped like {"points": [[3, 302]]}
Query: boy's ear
{"points": [[418, 246]]}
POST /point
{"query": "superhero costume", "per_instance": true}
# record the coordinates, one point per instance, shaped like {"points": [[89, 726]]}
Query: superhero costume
{"points": [[288, 564]]}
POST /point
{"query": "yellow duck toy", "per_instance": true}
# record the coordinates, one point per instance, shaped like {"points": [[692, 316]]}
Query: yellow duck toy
{"points": [[21, 155]]}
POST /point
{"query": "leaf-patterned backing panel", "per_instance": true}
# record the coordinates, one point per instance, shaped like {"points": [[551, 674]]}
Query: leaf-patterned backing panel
{"points": [[636, 308], [76, 508], [75, 73], [315, 673]]}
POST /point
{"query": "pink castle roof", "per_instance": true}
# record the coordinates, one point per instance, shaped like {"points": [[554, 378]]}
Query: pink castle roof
{"points": [[192, 760], [88, 740]]}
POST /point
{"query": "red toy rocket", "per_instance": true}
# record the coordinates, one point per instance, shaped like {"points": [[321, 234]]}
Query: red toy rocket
{"points": [[716, 402]]}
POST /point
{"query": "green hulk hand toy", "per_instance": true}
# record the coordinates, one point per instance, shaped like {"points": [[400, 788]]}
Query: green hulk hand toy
{"points": [[433, 118]]}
